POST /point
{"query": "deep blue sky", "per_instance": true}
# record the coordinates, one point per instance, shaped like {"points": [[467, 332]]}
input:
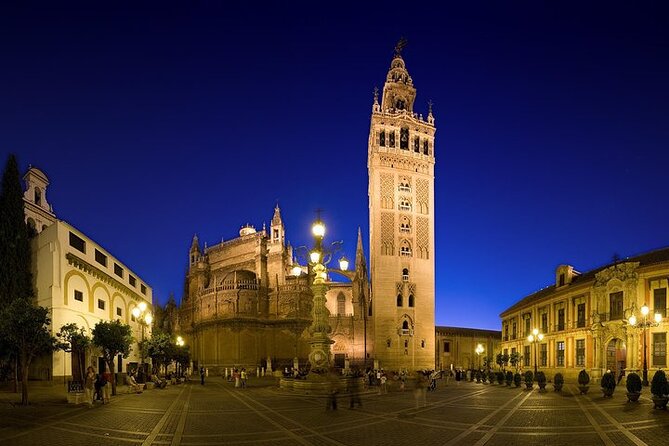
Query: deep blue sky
{"points": [[160, 121]]}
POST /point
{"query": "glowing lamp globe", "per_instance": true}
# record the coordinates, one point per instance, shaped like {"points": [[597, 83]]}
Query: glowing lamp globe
{"points": [[343, 264], [296, 271], [148, 318], [315, 256], [632, 320], [644, 310], [318, 229], [136, 312], [142, 306]]}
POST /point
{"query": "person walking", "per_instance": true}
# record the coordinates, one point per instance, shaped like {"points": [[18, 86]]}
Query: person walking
{"points": [[202, 375], [89, 385], [243, 378]]}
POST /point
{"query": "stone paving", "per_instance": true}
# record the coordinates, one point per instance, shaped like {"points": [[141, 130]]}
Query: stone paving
{"points": [[217, 413]]}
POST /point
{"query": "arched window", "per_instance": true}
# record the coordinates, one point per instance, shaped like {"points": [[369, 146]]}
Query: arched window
{"points": [[391, 138], [341, 304], [416, 144], [405, 325], [405, 275], [388, 343], [405, 224], [404, 205], [38, 196], [382, 138], [399, 300], [405, 248], [406, 343], [404, 138], [404, 185], [411, 300]]}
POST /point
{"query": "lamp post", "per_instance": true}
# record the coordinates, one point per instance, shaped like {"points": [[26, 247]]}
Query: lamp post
{"points": [[320, 342], [535, 338], [644, 327], [180, 343], [479, 351], [144, 318]]}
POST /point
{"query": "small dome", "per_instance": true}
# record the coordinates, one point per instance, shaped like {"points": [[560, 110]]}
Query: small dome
{"points": [[247, 229]]}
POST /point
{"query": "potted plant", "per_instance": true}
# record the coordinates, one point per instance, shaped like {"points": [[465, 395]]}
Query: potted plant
{"points": [[541, 380], [517, 379], [608, 384], [509, 378], [583, 381], [491, 377], [660, 390], [500, 378], [558, 382], [529, 380], [633, 385], [478, 376]]}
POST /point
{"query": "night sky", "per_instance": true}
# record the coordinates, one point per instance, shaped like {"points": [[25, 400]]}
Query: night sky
{"points": [[156, 122]]}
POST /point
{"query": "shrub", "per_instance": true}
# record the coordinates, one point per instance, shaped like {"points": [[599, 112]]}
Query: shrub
{"points": [[633, 383], [478, 376], [529, 377], [491, 377], [509, 377], [541, 378], [608, 381], [583, 378], [517, 379], [558, 381], [500, 377], [659, 385]]}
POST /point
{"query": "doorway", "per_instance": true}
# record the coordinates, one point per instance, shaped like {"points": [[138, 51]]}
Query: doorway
{"points": [[616, 356]]}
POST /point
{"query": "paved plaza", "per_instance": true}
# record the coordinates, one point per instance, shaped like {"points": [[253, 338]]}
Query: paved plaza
{"points": [[217, 413]]}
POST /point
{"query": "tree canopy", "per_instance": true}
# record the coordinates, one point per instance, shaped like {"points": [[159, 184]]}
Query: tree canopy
{"points": [[73, 339], [26, 330], [113, 338], [15, 272]]}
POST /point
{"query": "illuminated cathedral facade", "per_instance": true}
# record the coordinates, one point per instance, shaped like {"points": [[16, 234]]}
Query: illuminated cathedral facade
{"points": [[242, 307]]}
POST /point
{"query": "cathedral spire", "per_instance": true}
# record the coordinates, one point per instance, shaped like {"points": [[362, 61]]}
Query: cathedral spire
{"points": [[195, 245], [360, 262], [398, 92]]}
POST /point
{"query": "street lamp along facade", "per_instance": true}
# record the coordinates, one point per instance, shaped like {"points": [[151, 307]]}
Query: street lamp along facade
{"points": [[643, 325], [535, 338], [144, 318]]}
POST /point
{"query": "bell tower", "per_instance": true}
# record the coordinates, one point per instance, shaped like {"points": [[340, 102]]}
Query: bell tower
{"points": [[401, 224]]}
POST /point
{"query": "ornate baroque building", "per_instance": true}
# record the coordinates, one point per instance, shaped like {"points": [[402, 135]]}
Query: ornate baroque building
{"points": [[242, 307], [585, 318]]}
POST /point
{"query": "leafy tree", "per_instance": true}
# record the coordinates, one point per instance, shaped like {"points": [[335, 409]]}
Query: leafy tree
{"points": [[182, 356], [501, 360], [73, 339], [25, 328], [161, 348], [514, 360], [113, 338], [15, 272]]}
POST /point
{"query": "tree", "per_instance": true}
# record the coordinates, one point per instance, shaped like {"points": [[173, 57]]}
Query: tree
{"points": [[15, 271], [182, 357], [501, 360], [514, 360], [113, 338], [25, 328], [73, 339], [161, 349]]}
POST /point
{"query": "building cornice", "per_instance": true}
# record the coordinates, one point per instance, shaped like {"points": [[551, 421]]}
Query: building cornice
{"points": [[83, 265]]}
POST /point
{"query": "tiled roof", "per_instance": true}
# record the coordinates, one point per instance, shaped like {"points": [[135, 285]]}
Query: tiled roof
{"points": [[650, 258], [462, 331]]}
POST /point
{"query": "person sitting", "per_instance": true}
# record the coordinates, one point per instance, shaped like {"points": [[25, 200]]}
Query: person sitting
{"points": [[132, 383], [160, 383]]}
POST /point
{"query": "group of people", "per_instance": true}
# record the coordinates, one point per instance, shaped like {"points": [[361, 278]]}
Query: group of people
{"points": [[239, 377], [97, 386]]}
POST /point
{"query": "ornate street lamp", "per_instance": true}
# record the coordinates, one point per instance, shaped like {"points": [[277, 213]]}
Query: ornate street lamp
{"points": [[479, 351], [535, 338], [144, 318], [180, 343], [644, 327]]}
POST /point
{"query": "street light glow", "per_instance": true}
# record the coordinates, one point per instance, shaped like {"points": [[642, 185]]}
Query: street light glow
{"points": [[296, 271], [644, 310], [658, 318], [318, 229], [343, 264], [632, 320], [315, 256], [135, 312], [142, 306], [148, 318]]}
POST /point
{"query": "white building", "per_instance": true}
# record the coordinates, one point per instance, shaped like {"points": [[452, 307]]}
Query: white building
{"points": [[79, 281]]}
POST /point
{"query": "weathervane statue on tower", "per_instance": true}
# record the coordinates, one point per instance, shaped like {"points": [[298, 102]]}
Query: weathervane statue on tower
{"points": [[400, 46]]}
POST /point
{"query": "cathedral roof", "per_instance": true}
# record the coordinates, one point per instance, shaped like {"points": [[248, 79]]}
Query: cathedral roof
{"points": [[650, 258]]}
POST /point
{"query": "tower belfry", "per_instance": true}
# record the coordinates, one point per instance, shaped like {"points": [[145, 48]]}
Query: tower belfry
{"points": [[401, 224]]}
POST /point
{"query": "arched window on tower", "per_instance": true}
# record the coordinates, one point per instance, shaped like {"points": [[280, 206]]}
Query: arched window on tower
{"points": [[425, 147], [416, 144], [404, 138], [391, 138], [341, 304], [38, 196], [412, 301], [404, 186], [405, 275], [405, 225], [399, 300], [405, 248], [405, 328], [400, 104], [404, 205], [382, 138]]}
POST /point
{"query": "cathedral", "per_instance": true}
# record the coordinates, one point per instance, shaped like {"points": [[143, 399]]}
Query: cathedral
{"points": [[244, 307]]}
